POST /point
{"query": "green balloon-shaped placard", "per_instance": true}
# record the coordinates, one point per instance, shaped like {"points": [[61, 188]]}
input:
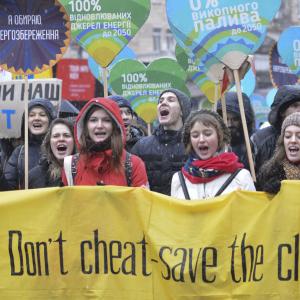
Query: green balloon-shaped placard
{"points": [[142, 85], [104, 27], [197, 74]]}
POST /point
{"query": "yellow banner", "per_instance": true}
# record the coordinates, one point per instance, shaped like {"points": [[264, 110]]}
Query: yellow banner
{"points": [[129, 243]]}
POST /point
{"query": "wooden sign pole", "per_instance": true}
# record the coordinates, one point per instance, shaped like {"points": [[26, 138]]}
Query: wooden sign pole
{"points": [[223, 103], [244, 123], [26, 133], [105, 84]]}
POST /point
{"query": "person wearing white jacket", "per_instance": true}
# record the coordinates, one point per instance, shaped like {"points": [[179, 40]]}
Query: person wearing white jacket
{"points": [[210, 170]]}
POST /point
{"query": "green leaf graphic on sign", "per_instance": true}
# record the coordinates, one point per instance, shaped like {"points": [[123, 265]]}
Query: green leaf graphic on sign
{"points": [[142, 85], [104, 27]]}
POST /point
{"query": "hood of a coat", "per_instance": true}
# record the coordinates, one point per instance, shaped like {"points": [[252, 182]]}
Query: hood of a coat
{"points": [[286, 95], [46, 105], [232, 105], [109, 106]]}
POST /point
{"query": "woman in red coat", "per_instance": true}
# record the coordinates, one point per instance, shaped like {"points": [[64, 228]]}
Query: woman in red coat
{"points": [[100, 137]]}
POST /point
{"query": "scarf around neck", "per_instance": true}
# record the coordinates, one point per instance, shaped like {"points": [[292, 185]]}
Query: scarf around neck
{"points": [[292, 171], [99, 161], [202, 171]]}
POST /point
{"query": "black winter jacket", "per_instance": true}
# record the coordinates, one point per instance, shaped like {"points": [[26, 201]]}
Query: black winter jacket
{"points": [[164, 155], [14, 169], [3, 182], [264, 140], [39, 176], [264, 144], [270, 177], [135, 135]]}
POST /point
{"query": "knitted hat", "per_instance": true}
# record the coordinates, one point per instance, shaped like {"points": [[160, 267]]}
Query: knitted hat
{"points": [[121, 101], [184, 101], [46, 105], [292, 119]]}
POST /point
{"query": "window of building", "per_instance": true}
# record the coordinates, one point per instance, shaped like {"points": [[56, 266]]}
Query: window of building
{"points": [[170, 41], [156, 33]]}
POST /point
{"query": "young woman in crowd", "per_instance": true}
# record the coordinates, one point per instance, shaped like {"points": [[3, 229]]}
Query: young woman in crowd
{"points": [[58, 143], [209, 170], [100, 136], [40, 115], [285, 163]]}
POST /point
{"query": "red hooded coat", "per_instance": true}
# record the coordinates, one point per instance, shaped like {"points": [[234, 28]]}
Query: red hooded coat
{"points": [[95, 168]]}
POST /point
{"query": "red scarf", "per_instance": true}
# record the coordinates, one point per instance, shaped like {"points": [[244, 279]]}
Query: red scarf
{"points": [[99, 161], [202, 171]]}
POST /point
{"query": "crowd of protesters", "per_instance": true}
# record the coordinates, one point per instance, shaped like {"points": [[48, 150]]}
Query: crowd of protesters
{"points": [[189, 155]]}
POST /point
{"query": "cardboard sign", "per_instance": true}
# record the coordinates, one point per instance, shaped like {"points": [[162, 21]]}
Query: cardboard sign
{"points": [[78, 81], [12, 101]]}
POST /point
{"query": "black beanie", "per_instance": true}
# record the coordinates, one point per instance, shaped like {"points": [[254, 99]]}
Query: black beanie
{"points": [[121, 101], [46, 105], [184, 101]]}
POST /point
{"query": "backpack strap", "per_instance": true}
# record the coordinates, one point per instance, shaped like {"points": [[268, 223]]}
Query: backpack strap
{"points": [[227, 182], [128, 169], [75, 159], [21, 167], [70, 168], [183, 185]]}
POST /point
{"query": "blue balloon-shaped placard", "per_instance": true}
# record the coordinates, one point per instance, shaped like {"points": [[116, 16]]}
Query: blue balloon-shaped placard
{"points": [[229, 30], [247, 84], [260, 108], [289, 48], [280, 73], [96, 69], [270, 97]]}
